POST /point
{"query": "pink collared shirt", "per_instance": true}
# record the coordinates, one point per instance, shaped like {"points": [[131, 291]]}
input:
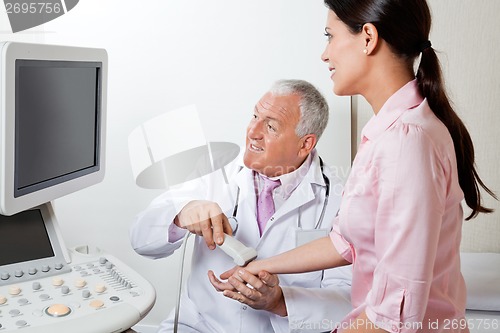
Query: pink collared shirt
{"points": [[400, 221]]}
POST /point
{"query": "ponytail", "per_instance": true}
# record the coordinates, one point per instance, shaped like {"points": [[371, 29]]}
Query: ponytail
{"points": [[430, 83], [389, 16]]}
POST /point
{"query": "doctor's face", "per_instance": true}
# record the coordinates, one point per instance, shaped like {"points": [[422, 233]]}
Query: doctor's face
{"points": [[272, 147]]}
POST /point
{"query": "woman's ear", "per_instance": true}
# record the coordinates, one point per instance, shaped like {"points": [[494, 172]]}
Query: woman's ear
{"points": [[370, 35]]}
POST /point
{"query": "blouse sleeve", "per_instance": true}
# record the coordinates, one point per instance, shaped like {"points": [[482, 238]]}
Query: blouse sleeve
{"points": [[412, 194], [342, 246]]}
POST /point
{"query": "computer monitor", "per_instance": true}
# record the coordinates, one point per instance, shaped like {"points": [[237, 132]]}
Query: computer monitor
{"points": [[52, 122]]}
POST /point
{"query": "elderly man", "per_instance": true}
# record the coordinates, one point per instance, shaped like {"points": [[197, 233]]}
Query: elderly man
{"points": [[282, 195]]}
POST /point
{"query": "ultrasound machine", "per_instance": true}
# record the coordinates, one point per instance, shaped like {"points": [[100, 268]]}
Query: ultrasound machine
{"points": [[52, 143]]}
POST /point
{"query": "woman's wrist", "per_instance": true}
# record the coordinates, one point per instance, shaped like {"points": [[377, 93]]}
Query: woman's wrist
{"points": [[253, 267]]}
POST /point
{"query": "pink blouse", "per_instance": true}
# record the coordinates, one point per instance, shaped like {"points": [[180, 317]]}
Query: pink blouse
{"points": [[400, 221]]}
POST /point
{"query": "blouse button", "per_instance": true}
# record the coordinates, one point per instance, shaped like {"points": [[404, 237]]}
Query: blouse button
{"points": [[395, 328]]}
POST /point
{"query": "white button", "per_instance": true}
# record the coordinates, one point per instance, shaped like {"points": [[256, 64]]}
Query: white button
{"points": [[3, 299], [100, 288], [14, 290], [57, 281], [80, 283]]}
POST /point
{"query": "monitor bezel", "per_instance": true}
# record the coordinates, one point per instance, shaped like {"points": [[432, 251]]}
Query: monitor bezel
{"points": [[10, 52]]}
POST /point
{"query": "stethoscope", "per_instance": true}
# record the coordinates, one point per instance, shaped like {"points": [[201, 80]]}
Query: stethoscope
{"points": [[233, 221]]}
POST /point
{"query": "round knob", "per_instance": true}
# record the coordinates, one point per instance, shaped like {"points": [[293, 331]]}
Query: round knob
{"points": [[3, 299], [58, 310], [18, 273], [45, 268], [58, 266], [100, 288], [5, 276], [14, 312], [65, 290], [14, 290], [86, 294], [36, 285], [102, 260], [22, 301], [32, 271], [109, 265], [57, 281], [44, 297]]}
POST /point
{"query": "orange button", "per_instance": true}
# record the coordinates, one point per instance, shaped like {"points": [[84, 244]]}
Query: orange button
{"points": [[96, 304], [58, 310]]}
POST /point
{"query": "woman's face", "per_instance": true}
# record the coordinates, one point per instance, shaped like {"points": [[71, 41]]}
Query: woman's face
{"points": [[344, 55]]}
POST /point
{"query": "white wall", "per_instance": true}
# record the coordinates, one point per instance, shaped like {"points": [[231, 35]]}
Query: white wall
{"points": [[221, 55], [464, 35]]}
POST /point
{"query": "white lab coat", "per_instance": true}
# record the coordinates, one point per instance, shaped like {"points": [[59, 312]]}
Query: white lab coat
{"points": [[315, 301]]}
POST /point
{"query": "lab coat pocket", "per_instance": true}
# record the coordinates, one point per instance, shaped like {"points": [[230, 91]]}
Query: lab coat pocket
{"points": [[304, 280]]}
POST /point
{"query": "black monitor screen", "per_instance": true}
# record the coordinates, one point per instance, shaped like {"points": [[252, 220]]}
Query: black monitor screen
{"points": [[24, 238], [57, 122]]}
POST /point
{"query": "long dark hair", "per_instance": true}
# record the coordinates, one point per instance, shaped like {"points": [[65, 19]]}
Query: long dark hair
{"points": [[405, 26]]}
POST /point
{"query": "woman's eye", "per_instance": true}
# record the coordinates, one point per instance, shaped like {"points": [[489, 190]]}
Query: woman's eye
{"points": [[328, 36]]}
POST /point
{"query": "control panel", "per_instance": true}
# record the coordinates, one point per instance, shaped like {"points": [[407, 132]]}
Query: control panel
{"points": [[46, 288], [98, 293]]}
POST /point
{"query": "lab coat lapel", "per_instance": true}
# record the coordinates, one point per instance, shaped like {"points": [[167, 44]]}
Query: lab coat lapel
{"points": [[300, 196], [247, 209]]}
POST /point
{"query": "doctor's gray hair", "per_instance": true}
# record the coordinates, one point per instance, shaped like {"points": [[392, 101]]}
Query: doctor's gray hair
{"points": [[313, 106]]}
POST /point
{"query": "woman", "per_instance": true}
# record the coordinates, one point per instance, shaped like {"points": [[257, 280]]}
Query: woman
{"points": [[400, 219]]}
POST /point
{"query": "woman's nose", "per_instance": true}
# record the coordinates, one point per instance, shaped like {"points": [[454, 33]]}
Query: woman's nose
{"points": [[324, 56]]}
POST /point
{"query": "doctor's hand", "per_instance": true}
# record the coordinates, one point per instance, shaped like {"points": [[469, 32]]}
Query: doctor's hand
{"points": [[261, 291], [204, 218]]}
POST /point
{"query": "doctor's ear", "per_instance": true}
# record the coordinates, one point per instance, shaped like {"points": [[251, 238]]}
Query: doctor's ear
{"points": [[308, 142], [369, 33]]}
